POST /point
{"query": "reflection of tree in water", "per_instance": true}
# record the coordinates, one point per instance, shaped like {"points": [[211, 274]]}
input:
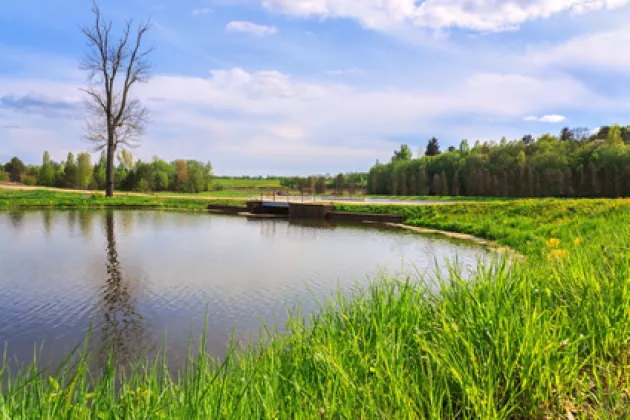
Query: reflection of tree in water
{"points": [[126, 217], [72, 220], [121, 325], [16, 218], [47, 220], [85, 223]]}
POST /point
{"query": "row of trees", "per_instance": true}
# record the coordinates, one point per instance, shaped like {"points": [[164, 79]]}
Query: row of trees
{"points": [[351, 180], [158, 175], [574, 164]]}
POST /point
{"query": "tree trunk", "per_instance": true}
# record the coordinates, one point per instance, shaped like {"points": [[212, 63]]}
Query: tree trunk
{"points": [[109, 183]]}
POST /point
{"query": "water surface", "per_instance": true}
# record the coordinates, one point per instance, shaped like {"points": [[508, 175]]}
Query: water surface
{"points": [[140, 278]]}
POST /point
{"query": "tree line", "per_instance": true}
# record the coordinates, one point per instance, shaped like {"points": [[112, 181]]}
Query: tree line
{"points": [[78, 172], [320, 184], [574, 163]]}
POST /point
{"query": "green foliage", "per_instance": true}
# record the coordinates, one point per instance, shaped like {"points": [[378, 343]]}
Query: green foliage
{"points": [[433, 148], [614, 136], [15, 168], [542, 338], [70, 172], [84, 170], [403, 154], [546, 167], [156, 176]]}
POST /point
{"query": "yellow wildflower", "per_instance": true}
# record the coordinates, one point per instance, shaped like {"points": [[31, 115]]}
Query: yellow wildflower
{"points": [[558, 253], [553, 243], [578, 241]]}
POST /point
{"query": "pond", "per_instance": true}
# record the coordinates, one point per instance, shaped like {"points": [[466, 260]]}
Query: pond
{"points": [[138, 279]]}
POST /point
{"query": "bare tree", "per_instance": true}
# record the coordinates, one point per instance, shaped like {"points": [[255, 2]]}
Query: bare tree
{"points": [[114, 67]]}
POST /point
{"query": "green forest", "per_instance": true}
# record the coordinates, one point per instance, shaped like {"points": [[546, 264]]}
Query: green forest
{"points": [[188, 176], [574, 163], [184, 176]]}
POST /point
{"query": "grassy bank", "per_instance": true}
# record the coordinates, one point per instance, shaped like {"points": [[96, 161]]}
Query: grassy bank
{"points": [[546, 338], [14, 199]]}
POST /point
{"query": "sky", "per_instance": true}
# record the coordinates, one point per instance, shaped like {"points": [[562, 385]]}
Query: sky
{"points": [[297, 87]]}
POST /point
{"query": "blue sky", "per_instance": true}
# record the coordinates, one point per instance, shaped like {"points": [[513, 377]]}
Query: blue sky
{"points": [[286, 87]]}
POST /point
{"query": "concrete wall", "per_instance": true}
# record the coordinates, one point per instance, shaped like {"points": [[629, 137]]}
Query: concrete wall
{"points": [[309, 211], [365, 217]]}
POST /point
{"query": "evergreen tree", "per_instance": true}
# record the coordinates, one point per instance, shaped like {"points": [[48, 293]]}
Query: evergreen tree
{"points": [[472, 187], [46, 176], [486, 185], [403, 185], [568, 189], [504, 184], [436, 185], [592, 187], [433, 147], [70, 172], [455, 185], [393, 184], [423, 183], [444, 184], [413, 184]]}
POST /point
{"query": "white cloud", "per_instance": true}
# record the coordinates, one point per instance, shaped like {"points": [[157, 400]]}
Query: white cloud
{"points": [[276, 120], [609, 50], [553, 118], [251, 28], [478, 15], [343, 72], [201, 12]]}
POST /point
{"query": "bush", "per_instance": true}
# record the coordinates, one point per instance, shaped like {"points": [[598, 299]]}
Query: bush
{"points": [[29, 180], [4, 177]]}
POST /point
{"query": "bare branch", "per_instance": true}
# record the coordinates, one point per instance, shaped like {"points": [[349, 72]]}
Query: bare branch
{"points": [[116, 119]]}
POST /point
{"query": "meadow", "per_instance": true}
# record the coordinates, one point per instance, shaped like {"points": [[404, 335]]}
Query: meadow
{"points": [[548, 337], [253, 183]]}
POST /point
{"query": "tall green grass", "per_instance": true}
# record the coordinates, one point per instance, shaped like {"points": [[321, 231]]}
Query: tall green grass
{"points": [[545, 338]]}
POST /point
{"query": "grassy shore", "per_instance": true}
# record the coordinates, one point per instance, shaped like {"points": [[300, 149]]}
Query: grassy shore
{"points": [[547, 338], [16, 199]]}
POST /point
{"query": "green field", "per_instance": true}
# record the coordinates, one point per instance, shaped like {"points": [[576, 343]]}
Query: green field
{"points": [[229, 183], [12, 199], [548, 337]]}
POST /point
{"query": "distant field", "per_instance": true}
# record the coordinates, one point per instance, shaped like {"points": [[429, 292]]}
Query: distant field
{"points": [[246, 183], [219, 194], [441, 198]]}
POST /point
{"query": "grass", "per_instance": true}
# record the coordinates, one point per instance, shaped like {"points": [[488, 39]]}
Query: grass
{"points": [[440, 198], [214, 194], [13, 199], [229, 183], [547, 338]]}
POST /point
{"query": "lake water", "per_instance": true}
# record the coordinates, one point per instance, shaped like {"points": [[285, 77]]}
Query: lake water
{"points": [[142, 278]]}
